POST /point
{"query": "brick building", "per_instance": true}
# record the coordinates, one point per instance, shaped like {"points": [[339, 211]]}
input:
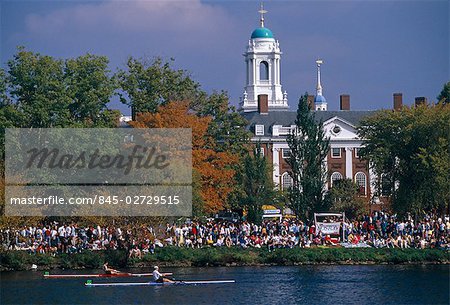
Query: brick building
{"points": [[266, 108]]}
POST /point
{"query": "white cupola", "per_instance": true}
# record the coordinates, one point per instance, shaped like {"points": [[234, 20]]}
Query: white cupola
{"points": [[262, 59]]}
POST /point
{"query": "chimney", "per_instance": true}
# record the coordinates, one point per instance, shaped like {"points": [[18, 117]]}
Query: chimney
{"points": [[421, 100], [310, 100], [263, 104], [398, 101], [345, 101]]}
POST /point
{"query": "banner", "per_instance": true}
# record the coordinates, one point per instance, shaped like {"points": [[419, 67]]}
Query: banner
{"points": [[328, 228]]}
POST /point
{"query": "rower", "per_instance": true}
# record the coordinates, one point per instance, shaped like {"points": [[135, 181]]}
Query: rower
{"points": [[109, 270], [159, 277]]}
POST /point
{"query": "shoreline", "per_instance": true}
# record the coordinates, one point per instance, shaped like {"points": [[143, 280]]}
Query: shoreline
{"points": [[224, 257]]}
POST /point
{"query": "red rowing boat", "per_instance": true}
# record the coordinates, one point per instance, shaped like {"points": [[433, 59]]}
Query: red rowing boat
{"points": [[62, 276]]}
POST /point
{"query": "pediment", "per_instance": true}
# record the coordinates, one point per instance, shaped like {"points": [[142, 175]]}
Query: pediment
{"points": [[337, 128]]}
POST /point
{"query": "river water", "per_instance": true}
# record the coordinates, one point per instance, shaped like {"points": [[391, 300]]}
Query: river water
{"points": [[380, 284]]}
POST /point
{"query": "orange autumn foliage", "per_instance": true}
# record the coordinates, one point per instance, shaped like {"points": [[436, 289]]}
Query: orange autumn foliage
{"points": [[215, 168]]}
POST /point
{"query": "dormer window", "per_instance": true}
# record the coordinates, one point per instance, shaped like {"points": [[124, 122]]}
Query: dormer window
{"points": [[259, 130]]}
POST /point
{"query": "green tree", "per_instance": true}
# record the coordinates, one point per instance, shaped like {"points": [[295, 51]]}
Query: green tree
{"points": [[146, 85], [444, 96], [409, 149], [50, 92], [36, 86], [227, 126], [344, 197], [90, 88], [257, 188], [308, 150]]}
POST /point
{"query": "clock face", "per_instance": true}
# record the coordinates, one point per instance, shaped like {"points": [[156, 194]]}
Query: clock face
{"points": [[336, 129]]}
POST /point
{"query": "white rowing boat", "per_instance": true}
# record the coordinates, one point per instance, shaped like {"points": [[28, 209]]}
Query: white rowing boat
{"points": [[90, 284], [63, 276]]}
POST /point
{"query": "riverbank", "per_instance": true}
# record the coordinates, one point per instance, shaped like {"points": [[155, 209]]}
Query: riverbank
{"points": [[182, 257]]}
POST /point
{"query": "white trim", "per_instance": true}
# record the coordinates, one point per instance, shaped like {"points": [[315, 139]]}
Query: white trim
{"points": [[338, 119]]}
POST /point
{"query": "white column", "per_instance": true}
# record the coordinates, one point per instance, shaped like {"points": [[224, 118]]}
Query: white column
{"points": [[276, 166], [325, 165], [273, 71], [278, 71], [247, 81], [254, 70], [349, 162], [371, 180]]}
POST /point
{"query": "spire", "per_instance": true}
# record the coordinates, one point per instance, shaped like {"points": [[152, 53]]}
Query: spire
{"points": [[319, 85], [262, 11]]}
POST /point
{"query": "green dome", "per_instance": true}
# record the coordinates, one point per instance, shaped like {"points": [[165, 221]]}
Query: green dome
{"points": [[262, 33]]}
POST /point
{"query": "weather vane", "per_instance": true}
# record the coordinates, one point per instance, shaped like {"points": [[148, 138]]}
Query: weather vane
{"points": [[262, 11]]}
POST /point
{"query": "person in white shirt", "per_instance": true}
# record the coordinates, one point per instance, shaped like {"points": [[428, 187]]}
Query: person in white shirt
{"points": [[159, 277]]}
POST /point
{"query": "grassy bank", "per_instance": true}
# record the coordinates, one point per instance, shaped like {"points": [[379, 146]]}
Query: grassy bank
{"points": [[17, 260]]}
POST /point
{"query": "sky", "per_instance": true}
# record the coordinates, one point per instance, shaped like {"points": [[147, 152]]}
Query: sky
{"points": [[370, 49]]}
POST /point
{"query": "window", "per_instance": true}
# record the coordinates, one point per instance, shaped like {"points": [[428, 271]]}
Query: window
{"points": [[361, 181], [336, 129], [261, 151], [335, 153], [264, 70], [356, 149], [286, 153], [259, 130], [336, 176], [286, 181]]}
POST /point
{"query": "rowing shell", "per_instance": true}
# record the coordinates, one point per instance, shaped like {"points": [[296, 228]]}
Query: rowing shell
{"points": [[61, 276], [89, 284]]}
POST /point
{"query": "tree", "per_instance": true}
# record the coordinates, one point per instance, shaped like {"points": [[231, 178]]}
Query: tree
{"points": [[49, 92], [147, 85], [409, 148], [256, 184], [444, 96], [227, 126], [308, 150], [90, 88], [37, 88], [212, 170], [344, 197]]}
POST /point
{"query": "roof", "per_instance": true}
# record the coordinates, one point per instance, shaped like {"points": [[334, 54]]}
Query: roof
{"points": [[262, 33], [320, 99], [287, 118]]}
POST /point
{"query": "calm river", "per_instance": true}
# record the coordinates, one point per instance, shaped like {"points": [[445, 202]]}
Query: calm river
{"points": [[254, 285]]}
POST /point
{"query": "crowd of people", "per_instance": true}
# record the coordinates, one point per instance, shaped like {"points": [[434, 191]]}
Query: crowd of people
{"points": [[379, 230]]}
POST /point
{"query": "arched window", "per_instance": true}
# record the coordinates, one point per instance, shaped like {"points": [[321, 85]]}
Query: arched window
{"points": [[286, 181], [336, 176], [361, 181], [264, 70]]}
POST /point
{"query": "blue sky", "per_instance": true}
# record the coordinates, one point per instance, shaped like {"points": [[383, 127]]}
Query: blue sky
{"points": [[371, 49]]}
